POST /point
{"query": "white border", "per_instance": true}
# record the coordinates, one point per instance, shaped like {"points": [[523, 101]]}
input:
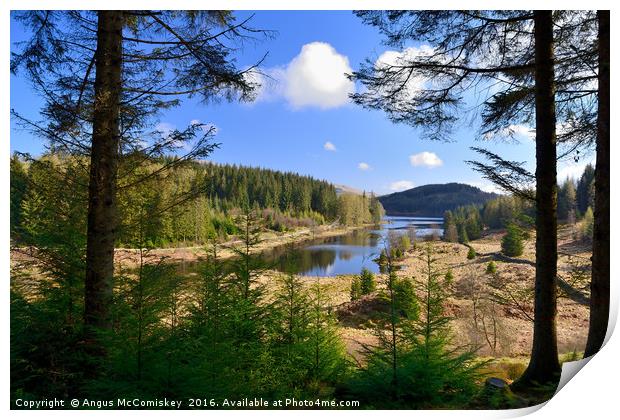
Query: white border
{"points": [[592, 394]]}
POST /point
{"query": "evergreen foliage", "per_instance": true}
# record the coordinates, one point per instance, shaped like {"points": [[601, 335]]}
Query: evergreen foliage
{"points": [[191, 204], [463, 237], [449, 278], [567, 201], [434, 199], [585, 189], [588, 224], [512, 241], [450, 231], [471, 253], [356, 289], [367, 282], [174, 336], [414, 365], [491, 268]]}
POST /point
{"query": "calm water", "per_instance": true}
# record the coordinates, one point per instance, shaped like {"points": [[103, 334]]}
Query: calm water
{"points": [[348, 254]]}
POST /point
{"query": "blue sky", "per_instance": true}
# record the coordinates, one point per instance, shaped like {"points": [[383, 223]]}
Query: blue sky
{"points": [[302, 120]]}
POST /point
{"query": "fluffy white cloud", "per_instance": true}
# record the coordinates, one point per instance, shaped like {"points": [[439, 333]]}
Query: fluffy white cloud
{"points": [[329, 146], [522, 130], [316, 77], [397, 58], [486, 187], [401, 185], [363, 166], [514, 131], [428, 159], [268, 84], [165, 128], [572, 169]]}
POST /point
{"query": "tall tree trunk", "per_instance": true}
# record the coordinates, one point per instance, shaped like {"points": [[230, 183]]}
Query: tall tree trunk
{"points": [[599, 287], [544, 365], [103, 169]]}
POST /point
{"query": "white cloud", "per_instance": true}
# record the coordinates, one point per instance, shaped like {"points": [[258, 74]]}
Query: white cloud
{"points": [[412, 83], [329, 146], [316, 77], [572, 169], [513, 131], [268, 84], [487, 187], [522, 131], [165, 128], [401, 185], [428, 159], [313, 78], [363, 166]]}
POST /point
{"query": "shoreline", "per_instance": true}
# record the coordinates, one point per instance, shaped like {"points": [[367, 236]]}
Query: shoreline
{"points": [[269, 240]]}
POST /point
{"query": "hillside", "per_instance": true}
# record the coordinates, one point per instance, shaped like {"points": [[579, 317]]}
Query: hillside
{"points": [[433, 200], [343, 189]]}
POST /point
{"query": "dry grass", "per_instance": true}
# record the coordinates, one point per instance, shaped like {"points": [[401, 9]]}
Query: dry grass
{"points": [[515, 329]]}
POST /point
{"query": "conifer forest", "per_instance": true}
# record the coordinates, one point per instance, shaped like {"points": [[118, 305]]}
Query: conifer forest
{"points": [[208, 211]]}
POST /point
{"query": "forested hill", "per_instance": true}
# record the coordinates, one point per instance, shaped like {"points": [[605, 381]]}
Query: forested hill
{"points": [[433, 200], [189, 203]]}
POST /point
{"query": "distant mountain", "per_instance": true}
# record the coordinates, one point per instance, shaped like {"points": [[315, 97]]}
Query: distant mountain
{"points": [[433, 200], [341, 189]]}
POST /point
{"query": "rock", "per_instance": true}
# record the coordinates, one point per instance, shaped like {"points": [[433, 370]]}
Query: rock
{"points": [[495, 384]]}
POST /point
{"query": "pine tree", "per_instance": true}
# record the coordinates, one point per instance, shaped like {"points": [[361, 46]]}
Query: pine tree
{"points": [[471, 253], [327, 351], [567, 204], [356, 289], [599, 287], [114, 76], [491, 267], [367, 282], [588, 224], [414, 366], [583, 193], [512, 241], [463, 238]]}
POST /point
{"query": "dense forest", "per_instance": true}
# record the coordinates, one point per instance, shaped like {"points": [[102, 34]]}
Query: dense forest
{"points": [[433, 200], [188, 204], [516, 214]]}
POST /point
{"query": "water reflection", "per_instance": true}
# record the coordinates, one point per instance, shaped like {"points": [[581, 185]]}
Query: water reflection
{"points": [[347, 254]]}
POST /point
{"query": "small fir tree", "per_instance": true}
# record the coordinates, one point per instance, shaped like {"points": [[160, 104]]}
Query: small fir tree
{"points": [[512, 242], [367, 282]]}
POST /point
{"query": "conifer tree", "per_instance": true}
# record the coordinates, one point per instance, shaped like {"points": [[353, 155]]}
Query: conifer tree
{"points": [[367, 282], [600, 292], [413, 364], [512, 241], [327, 351], [517, 47], [449, 227], [104, 77], [463, 237], [356, 289]]}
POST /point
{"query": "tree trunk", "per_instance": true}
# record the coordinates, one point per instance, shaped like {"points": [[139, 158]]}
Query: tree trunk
{"points": [[599, 287], [544, 366], [103, 169]]}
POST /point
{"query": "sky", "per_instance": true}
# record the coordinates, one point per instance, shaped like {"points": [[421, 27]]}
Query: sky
{"points": [[303, 120]]}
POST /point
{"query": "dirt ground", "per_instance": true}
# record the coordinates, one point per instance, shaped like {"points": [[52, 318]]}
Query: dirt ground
{"points": [[512, 335], [130, 257], [513, 326]]}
